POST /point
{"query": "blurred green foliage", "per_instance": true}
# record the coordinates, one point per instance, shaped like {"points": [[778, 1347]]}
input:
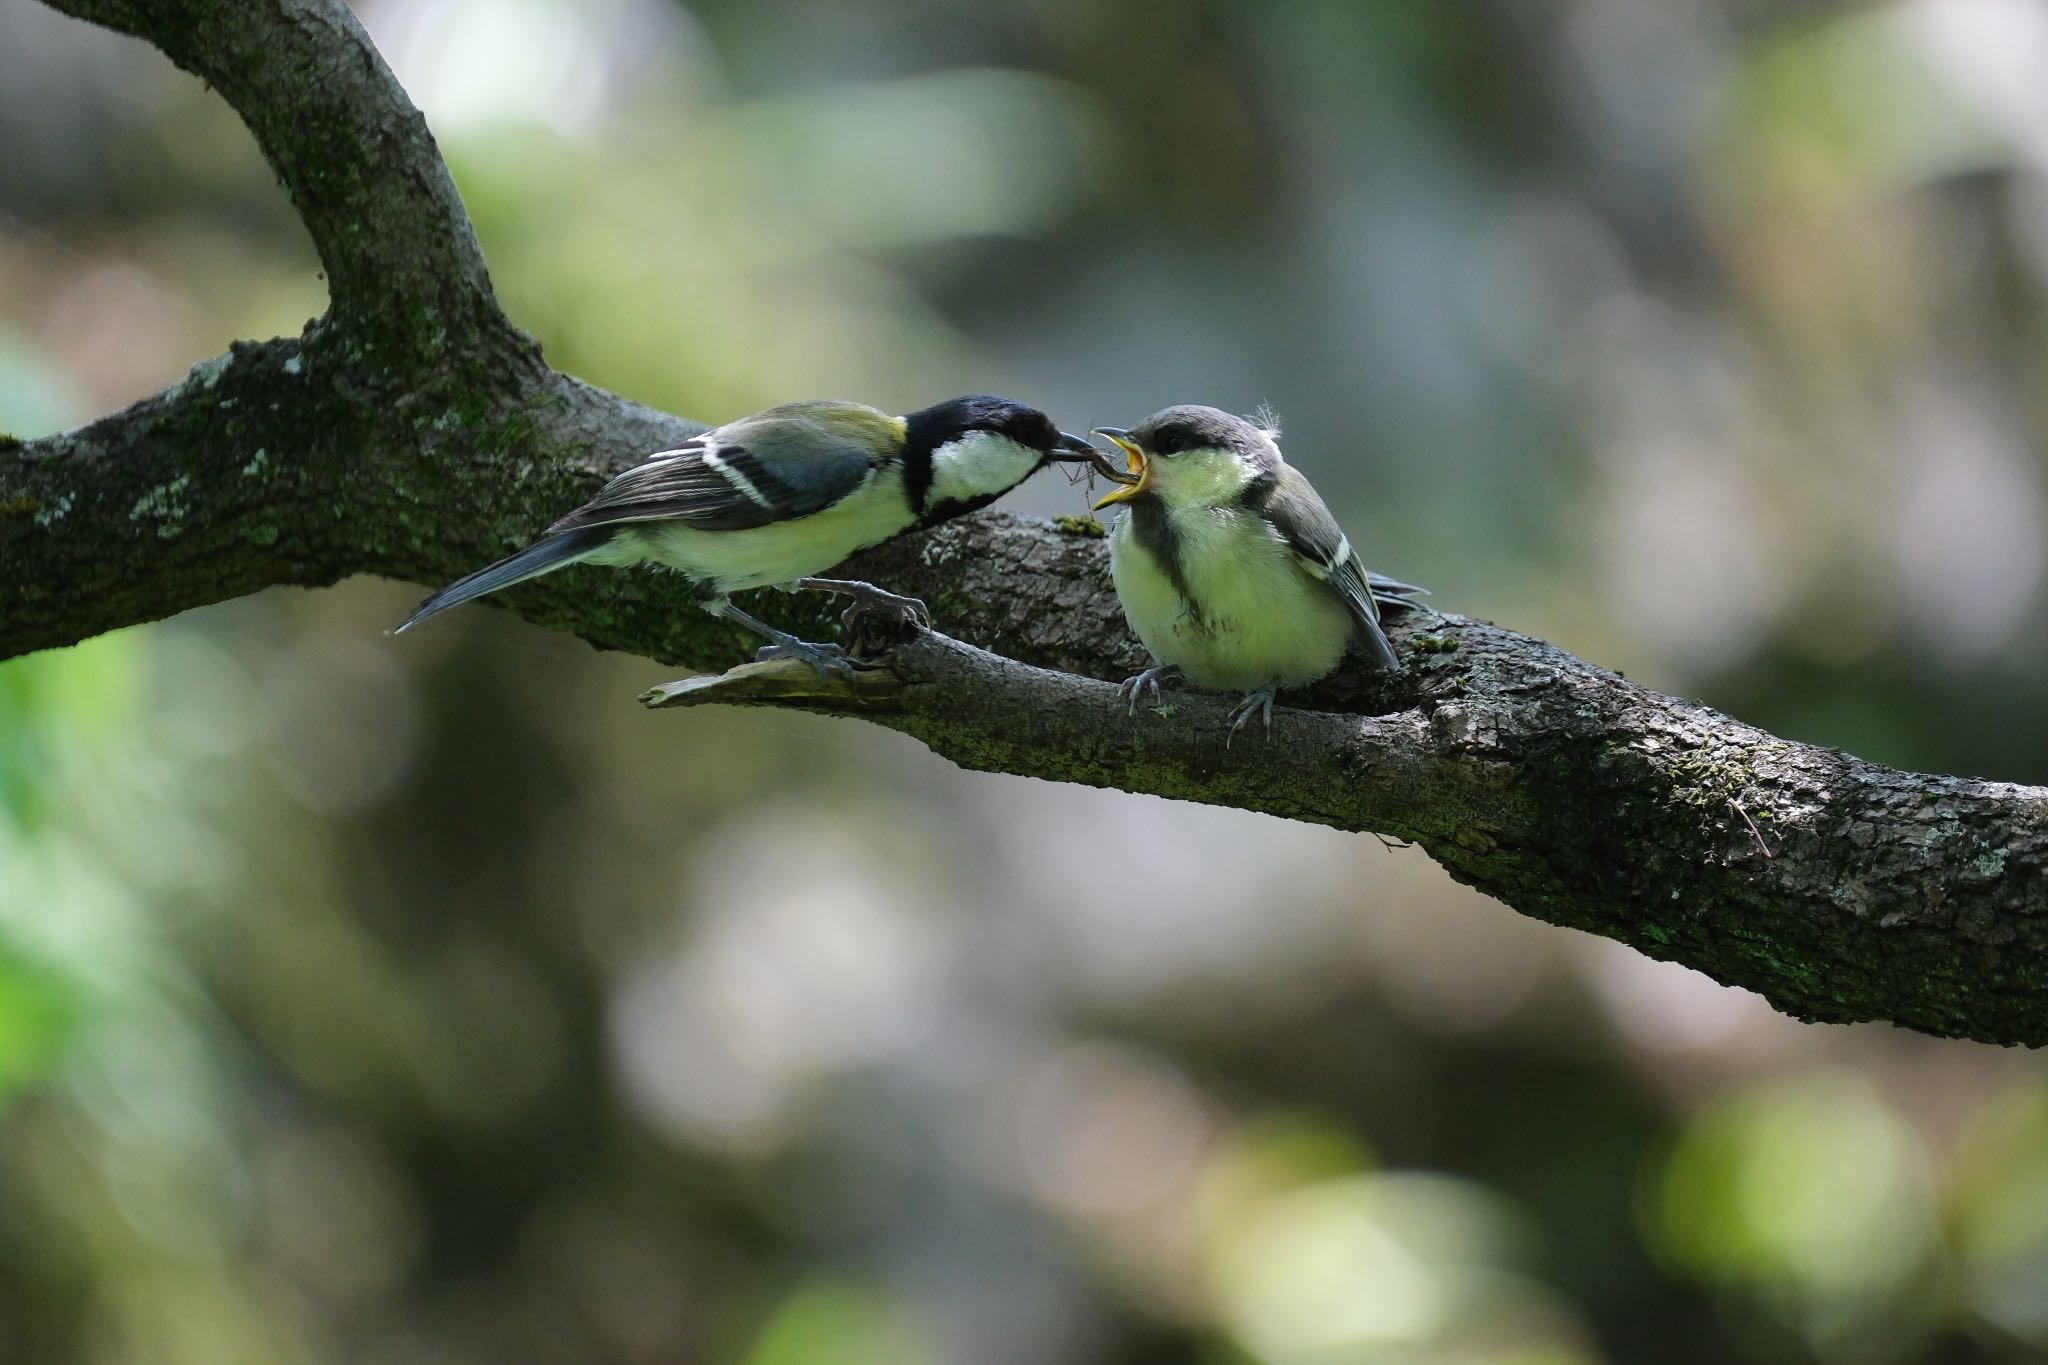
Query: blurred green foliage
{"points": [[425, 1001], [1806, 1195]]}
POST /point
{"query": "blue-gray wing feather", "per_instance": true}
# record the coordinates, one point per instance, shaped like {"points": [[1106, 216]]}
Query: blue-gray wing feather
{"points": [[1291, 505], [746, 475]]}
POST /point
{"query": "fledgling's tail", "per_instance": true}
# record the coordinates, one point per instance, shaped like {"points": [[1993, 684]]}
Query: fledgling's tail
{"points": [[1392, 592], [543, 556]]}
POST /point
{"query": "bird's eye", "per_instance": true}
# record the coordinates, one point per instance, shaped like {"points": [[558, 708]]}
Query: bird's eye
{"points": [[1172, 443]]}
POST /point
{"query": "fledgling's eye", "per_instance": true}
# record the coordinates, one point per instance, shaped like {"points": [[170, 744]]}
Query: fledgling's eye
{"points": [[1172, 443]]}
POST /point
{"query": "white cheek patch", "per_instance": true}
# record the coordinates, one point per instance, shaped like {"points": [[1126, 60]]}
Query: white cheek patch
{"points": [[1201, 477], [978, 464]]}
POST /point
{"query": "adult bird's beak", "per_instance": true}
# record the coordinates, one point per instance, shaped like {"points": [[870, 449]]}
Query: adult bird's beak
{"points": [[1140, 477]]}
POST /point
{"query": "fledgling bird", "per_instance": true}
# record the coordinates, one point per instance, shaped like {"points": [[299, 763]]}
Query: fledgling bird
{"points": [[780, 497], [1229, 567]]}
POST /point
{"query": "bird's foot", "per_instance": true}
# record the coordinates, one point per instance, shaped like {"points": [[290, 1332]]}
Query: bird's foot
{"points": [[869, 600], [1133, 689], [827, 659], [887, 605], [1256, 701], [876, 618]]}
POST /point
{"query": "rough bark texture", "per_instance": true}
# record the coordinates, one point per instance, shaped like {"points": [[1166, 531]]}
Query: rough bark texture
{"points": [[413, 432]]}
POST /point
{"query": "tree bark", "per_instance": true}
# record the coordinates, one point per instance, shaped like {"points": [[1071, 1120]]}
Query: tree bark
{"points": [[413, 432]]}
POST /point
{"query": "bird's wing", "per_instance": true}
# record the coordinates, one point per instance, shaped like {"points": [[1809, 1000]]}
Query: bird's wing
{"points": [[1294, 510], [774, 466]]}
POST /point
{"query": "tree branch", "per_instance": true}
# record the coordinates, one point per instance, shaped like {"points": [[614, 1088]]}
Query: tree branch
{"points": [[1838, 889], [403, 268], [414, 434]]}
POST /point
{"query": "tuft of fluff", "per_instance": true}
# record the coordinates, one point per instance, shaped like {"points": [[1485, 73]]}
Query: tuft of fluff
{"points": [[1267, 421]]}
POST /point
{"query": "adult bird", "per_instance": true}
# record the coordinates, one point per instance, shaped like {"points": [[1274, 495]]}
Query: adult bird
{"points": [[778, 498], [1229, 567]]}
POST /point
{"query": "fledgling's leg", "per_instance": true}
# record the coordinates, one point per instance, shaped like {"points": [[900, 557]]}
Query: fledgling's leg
{"points": [[1134, 688], [1255, 701], [824, 658], [869, 599]]}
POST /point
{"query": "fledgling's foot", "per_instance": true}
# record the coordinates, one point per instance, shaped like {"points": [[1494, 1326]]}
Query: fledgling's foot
{"points": [[1256, 701], [1133, 689], [827, 659]]}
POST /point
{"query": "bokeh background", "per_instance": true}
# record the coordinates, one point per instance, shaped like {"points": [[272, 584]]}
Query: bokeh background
{"points": [[427, 1001]]}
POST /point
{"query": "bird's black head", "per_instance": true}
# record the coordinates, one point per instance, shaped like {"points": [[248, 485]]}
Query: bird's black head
{"points": [[966, 452], [1020, 422]]}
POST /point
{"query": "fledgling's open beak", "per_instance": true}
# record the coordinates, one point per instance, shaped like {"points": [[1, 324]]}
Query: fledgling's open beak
{"points": [[1140, 477]]}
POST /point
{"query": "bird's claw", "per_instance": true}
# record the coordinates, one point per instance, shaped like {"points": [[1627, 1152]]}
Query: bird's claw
{"points": [[872, 628], [869, 600], [908, 610], [1254, 703], [1133, 689]]}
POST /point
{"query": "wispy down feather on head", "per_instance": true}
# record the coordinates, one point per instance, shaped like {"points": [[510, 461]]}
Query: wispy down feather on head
{"points": [[1267, 421]]}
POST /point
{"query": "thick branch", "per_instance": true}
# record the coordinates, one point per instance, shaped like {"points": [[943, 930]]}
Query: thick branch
{"points": [[283, 463], [1839, 889], [403, 269], [386, 442]]}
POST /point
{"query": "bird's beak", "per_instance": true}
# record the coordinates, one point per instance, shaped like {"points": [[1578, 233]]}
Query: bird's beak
{"points": [[1138, 480], [1071, 449]]}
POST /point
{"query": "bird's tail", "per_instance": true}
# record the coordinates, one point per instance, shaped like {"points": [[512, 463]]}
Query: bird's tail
{"points": [[1392, 592], [543, 556]]}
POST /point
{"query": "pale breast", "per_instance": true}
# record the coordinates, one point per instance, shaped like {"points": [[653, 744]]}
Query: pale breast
{"points": [[1243, 614], [783, 551]]}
